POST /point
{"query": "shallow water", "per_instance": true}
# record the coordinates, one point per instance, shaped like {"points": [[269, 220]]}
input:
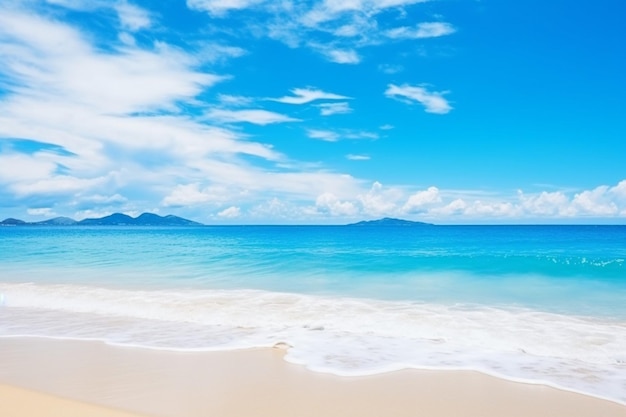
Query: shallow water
{"points": [[544, 304]]}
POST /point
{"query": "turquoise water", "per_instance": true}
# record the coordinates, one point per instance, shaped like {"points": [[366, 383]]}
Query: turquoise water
{"points": [[544, 304]]}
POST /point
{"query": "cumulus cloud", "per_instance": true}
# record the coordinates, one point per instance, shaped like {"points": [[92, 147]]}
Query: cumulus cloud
{"points": [[434, 204], [379, 201], [433, 101], [545, 203], [421, 200], [230, 213], [328, 202], [597, 202]]}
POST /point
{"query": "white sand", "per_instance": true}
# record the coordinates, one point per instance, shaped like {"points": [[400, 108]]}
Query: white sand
{"points": [[254, 383]]}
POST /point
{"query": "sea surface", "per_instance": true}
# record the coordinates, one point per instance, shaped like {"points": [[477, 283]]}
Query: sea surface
{"points": [[539, 304]]}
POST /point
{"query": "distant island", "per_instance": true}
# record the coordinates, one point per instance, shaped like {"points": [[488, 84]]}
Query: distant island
{"points": [[151, 219], [115, 219], [387, 221]]}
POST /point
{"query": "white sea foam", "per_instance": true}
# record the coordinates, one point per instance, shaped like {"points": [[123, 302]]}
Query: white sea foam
{"points": [[344, 336]]}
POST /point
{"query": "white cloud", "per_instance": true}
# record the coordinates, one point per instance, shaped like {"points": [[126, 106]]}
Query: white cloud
{"points": [[341, 56], [254, 116], [329, 10], [619, 191], [354, 157], [328, 109], [454, 208], [131, 17], [328, 202], [193, 194], [334, 136], [337, 30], [58, 184], [221, 7], [325, 135], [545, 203], [433, 101], [422, 30], [215, 52], [130, 80], [379, 201], [44, 211], [230, 213], [422, 200], [235, 101], [307, 95], [104, 199], [596, 202]]}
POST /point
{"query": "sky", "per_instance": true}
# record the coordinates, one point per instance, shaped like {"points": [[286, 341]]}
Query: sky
{"points": [[314, 111]]}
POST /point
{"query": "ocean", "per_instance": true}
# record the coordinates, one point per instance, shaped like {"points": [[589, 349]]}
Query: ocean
{"points": [[536, 304]]}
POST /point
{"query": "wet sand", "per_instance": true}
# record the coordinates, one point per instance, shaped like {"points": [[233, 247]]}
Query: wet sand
{"points": [[48, 377]]}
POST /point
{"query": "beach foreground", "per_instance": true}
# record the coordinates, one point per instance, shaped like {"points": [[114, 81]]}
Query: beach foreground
{"points": [[255, 382]]}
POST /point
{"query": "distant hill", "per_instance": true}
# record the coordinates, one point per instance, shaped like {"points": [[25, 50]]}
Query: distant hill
{"points": [[387, 221], [57, 221], [115, 219], [12, 222]]}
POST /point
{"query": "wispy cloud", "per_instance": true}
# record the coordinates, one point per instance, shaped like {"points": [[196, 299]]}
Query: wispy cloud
{"points": [[307, 95], [117, 116], [433, 101], [354, 157], [422, 30], [235, 101], [325, 135], [340, 56], [337, 30], [132, 17], [328, 109], [254, 116], [334, 136], [217, 52], [221, 7]]}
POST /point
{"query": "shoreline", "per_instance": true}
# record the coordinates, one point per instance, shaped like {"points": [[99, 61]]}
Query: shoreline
{"points": [[256, 382]]}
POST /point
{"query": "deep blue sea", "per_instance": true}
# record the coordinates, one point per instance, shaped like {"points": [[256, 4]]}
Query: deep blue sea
{"points": [[540, 304]]}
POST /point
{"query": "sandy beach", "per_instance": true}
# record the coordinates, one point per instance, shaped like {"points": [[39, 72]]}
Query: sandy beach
{"points": [[48, 377]]}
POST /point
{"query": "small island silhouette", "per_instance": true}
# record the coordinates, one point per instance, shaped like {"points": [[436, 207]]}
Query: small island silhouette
{"points": [[388, 221], [151, 219], [115, 219]]}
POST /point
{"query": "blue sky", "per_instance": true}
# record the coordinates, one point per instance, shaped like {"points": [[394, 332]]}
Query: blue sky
{"points": [[323, 112]]}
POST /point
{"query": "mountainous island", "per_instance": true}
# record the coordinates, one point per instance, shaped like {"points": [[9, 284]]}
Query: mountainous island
{"points": [[387, 221], [151, 219], [115, 219]]}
